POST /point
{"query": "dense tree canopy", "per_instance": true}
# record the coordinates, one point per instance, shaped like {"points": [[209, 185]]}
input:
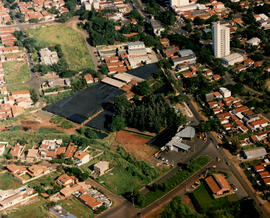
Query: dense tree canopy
{"points": [[152, 113]]}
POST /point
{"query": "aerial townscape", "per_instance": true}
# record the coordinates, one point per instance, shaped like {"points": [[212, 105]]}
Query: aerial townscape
{"points": [[134, 108]]}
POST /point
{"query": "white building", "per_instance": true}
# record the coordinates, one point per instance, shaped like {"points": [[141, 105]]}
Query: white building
{"points": [[232, 59], [225, 92], [136, 45], [101, 167], [221, 40], [81, 157], [254, 41], [3, 146], [178, 3]]}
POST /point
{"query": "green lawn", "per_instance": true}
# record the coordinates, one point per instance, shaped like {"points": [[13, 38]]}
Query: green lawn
{"points": [[16, 71], [34, 210], [204, 201], [72, 43], [16, 88], [47, 179], [7, 181], [75, 207], [120, 181]]}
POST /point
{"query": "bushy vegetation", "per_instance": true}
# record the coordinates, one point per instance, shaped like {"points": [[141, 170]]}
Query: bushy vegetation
{"points": [[178, 208], [158, 190], [152, 113]]}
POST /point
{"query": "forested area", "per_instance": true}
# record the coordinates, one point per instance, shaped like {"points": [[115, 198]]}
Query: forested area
{"points": [[152, 113]]}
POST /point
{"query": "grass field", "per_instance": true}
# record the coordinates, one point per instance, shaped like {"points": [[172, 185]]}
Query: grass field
{"points": [[72, 43], [120, 181], [16, 71], [34, 210], [204, 201], [7, 181], [75, 207], [16, 88]]}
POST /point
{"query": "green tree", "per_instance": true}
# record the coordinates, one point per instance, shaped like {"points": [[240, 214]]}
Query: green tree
{"points": [[34, 95], [117, 123], [142, 88]]}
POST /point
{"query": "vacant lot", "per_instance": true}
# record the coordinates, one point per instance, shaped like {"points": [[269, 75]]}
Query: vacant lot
{"points": [[33, 210], [75, 207], [16, 71], [7, 181], [135, 145], [72, 43], [120, 181]]}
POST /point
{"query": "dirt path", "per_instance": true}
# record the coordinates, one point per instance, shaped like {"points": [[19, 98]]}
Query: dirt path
{"points": [[73, 25]]}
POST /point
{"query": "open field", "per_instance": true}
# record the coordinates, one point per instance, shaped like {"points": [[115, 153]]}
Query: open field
{"points": [[33, 210], [7, 181], [16, 88], [16, 71], [120, 181], [135, 145], [72, 43], [75, 207], [203, 199]]}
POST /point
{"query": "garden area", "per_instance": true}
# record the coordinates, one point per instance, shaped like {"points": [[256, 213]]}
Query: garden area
{"points": [[72, 44], [16, 71]]}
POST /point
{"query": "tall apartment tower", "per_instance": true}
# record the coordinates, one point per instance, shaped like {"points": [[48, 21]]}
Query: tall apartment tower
{"points": [[179, 3], [221, 40]]}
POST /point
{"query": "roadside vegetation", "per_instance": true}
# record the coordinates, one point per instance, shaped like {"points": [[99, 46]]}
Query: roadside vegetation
{"points": [[156, 191]]}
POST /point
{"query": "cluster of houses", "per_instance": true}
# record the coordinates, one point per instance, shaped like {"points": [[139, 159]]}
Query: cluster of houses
{"points": [[51, 149], [39, 9], [8, 51], [262, 171], [120, 58], [85, 193], [240, 117], [181, 59], [4, 12], [190, 9], [14, 103], [24, 175]]}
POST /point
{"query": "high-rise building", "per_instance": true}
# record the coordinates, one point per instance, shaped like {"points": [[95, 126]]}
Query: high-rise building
{"points": [[179, 3], [221, 40]]}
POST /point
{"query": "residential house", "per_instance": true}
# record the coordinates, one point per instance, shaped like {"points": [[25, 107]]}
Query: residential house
{"points": [[65, 180], [101, 167], [81, 157]]}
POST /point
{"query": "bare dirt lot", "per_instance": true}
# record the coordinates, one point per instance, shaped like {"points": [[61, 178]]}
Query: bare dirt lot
{"points": [[135, 145], [38, 119]]}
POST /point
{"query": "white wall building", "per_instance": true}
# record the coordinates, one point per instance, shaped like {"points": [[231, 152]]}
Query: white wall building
{"points": [[179, 3], [221, 40], [225, 92]]}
